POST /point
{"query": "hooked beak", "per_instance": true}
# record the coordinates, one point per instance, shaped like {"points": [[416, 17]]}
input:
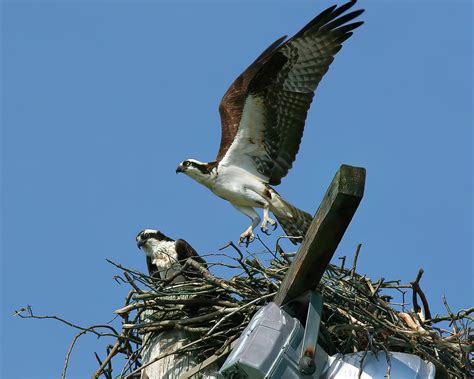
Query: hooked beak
{"points": [[179, 169], [140, 244]]}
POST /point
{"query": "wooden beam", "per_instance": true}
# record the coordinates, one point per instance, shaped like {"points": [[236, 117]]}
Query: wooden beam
{"points": [[324, 234]]}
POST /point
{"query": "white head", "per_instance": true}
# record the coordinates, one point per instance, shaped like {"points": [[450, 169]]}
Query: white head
{"points": [[199, 171], [150, 240]]}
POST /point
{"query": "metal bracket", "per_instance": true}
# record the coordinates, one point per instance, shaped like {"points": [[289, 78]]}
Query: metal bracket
{"points": [[314, 300]]}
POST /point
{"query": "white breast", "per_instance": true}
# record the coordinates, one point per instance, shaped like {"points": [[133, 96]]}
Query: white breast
{"points": [[163, 255], [238, 186]]}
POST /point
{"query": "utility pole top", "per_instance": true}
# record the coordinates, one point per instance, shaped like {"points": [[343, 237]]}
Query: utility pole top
{"points": [[324, 234]]}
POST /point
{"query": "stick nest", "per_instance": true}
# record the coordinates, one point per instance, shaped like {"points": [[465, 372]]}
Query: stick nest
{"points": [[359, 314]]}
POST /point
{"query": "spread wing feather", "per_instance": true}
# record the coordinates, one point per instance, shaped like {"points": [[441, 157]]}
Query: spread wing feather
{"points": [[264, 111], [232, 104]]}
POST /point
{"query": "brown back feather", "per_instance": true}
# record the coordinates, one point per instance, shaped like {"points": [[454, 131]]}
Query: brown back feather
{"points": [[232, 104], [284, 78]]}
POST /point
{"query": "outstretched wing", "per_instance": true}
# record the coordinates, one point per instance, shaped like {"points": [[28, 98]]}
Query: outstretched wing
{"points": [[232, 104], [264, 111]]}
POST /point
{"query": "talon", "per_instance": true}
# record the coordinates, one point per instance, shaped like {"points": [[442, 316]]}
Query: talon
{"points": [[246, 241], [264, 226], [246, 238]]}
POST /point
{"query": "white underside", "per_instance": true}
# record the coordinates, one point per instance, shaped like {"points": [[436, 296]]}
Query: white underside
{"points": [[163, 255], [245, 191], [239, 187]]}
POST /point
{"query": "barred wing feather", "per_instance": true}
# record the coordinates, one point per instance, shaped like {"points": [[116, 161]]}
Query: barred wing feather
{"points": [[264, 111]]}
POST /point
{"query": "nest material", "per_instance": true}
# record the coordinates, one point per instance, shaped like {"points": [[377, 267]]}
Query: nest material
{"points": [[359, 313]]}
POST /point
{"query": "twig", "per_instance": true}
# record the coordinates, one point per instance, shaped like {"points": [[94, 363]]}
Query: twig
{"points": [[112, 352], [239, 310], [417, 290], [216, 310], [463, 313], [90, 329], [211, 278], [240, 259], [68, 354], [354, 262]]}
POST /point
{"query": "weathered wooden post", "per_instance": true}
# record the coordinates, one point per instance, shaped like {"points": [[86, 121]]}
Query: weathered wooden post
{"points": [[324, 234], [171, 366], [158, 353]]}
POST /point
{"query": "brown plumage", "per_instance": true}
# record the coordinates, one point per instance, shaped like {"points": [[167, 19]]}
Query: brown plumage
{"points": [[285, 77], [232, 104], [263, 114]]}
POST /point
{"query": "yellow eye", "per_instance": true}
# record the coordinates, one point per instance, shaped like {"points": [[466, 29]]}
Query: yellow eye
{"points": [[186, 163]]}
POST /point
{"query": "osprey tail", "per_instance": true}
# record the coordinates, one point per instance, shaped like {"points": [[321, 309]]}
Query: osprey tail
{"points": [[294, 221]]}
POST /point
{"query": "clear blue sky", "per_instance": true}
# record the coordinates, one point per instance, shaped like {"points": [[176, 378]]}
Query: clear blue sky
{"points": [[101, 100]]}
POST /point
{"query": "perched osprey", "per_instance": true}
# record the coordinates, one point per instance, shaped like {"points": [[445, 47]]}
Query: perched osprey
{"points": [[165, 256], [263, 115]]}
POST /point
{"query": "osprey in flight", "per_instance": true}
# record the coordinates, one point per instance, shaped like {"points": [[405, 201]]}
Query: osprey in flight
{"points": [[165, 256], [263, 115]]}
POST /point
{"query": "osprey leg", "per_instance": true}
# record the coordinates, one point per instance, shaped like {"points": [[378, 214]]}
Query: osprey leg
{"points": [[248, 236], [267, 220]]}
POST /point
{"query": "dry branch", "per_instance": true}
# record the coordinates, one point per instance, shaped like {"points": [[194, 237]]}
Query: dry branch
{"points": [[359, 314]]}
